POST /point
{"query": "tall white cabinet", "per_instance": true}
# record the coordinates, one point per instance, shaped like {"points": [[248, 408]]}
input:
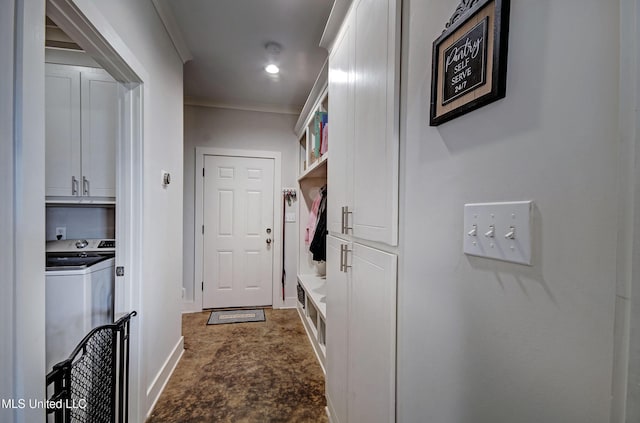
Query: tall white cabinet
{"points": [[363, 214], [364, 85], [81, 106]]}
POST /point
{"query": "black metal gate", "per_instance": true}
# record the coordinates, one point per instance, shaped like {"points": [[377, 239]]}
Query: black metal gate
{"points": [[92, 385]]}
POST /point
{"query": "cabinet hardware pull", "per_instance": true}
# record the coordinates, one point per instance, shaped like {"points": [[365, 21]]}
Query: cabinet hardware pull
{"points": [[344, 249], [85, 185], [74, 186], [345, 220]]}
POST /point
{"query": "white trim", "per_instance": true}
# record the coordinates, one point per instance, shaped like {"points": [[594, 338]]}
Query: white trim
{"points": [[316, 95], [196, 304], [24, 53], [334, 23], [86, 25], [173, 29], [313, 339], [627, 312], [266, 108], [7, 214], [290, 302], [162, 378], [83, 23]]}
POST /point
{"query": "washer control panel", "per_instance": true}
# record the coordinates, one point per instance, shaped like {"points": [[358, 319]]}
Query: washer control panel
{"points": [[85, 245]]}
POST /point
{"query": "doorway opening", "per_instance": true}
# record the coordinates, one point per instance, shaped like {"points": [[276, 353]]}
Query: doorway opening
{"points": [[84, 32]]}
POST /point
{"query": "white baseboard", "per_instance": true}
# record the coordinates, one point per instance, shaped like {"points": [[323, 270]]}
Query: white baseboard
{"points": [[162, 378], [191, 307], [289, 302]]}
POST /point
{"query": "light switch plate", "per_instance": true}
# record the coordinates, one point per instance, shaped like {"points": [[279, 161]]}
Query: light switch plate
{"points": [[511, 225], [290, 217]]}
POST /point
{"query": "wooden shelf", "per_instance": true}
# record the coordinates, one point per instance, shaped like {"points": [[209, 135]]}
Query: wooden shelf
{"points": [[317, 169], [316, 291]]}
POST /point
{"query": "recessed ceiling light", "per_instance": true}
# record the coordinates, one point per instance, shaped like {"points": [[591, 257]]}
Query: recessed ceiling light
{"points": [[273, 69]]}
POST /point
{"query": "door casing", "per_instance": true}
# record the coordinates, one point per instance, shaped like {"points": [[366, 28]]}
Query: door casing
{"points": [[201, 152], [89, 29]]}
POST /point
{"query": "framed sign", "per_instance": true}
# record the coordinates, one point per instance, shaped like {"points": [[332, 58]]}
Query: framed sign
{"points": [[470, 60]]}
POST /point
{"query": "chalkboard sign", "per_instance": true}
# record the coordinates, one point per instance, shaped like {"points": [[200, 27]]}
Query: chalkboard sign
{"points": [[470, 59], [465, 63]]}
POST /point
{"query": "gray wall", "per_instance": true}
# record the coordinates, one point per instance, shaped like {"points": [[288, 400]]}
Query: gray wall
{"points": [[481, 341], [138, 34], [245, 130], [81, 222]]}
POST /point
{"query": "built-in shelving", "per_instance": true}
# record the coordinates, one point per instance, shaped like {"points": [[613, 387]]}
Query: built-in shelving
{"points": [[317, 170], [316, 290], [313, 313], [313, 157]]}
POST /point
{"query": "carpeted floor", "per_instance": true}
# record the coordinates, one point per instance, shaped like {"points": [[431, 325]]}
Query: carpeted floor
{"points": [[244, 372]]}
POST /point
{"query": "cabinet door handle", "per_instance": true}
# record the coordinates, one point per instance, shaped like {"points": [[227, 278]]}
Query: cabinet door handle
{"points": [[344, 249], [342, 229], [74, 186], [345, 220], [85, 185]]}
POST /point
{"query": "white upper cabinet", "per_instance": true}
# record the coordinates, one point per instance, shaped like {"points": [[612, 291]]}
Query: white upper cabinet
{"points": [[376, 138], [371, 145], [339, 177], [62, 126], [99, 126], [81, 111]]}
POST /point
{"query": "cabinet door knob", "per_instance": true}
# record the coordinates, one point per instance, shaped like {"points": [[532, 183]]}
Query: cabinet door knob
{"points": [[268, 241]]}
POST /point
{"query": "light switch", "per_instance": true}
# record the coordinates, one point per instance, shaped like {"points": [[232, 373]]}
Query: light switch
{"points": [[290, 217], [500, 231]]}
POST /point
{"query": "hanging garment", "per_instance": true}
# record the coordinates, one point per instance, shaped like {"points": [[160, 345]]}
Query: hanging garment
{"points": [[318, 247], [313, 219]]}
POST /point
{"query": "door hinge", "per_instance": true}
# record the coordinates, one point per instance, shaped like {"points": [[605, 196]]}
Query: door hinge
{"points": [[120, 271], [202, 229], [202, 288]]}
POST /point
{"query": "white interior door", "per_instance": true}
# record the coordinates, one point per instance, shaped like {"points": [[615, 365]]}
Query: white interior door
{"points": [[238, 230]]}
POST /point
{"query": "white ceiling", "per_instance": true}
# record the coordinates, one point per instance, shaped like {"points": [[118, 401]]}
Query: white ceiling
{"points": [[226, 40]]}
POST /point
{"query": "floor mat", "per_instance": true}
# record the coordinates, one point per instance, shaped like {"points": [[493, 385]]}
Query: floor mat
{"points": [[236, 316]]}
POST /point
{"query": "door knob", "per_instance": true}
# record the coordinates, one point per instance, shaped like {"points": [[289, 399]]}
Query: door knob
{"points": [[268, 240]]}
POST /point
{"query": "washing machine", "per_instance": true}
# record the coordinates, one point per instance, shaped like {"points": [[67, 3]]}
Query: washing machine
{"points": [[80, 278]]}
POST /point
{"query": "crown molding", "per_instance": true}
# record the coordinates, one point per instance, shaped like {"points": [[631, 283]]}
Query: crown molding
{"points": [[334, 22], [317, 91], [175, 34], [265, 108]]}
